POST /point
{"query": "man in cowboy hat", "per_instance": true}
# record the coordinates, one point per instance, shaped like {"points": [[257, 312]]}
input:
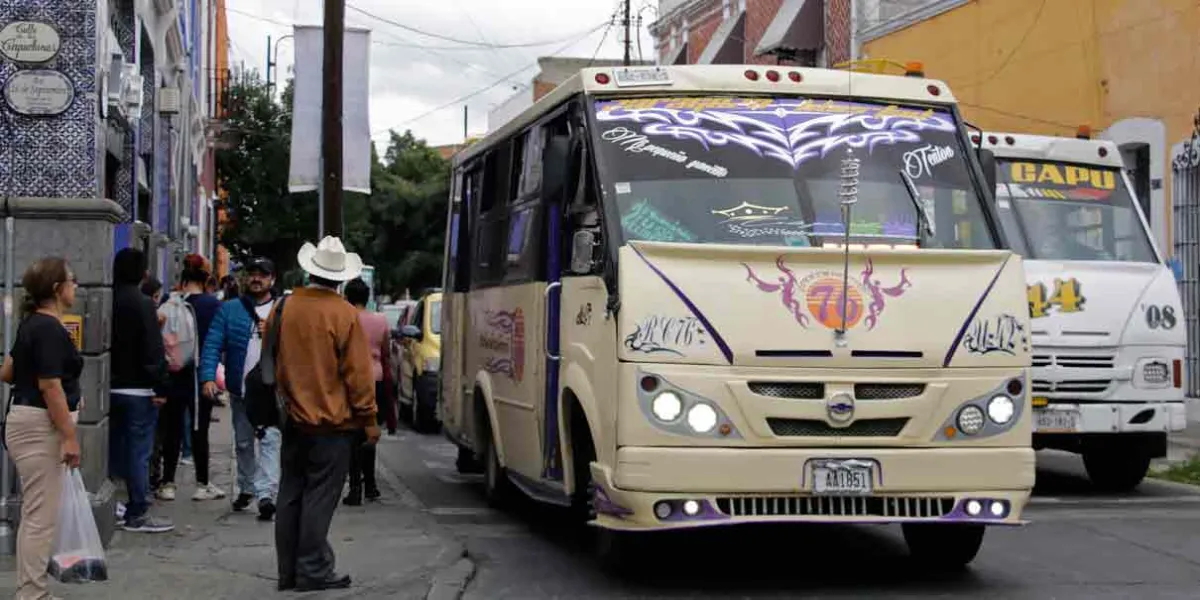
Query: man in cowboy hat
{"points": [[324, 372]]}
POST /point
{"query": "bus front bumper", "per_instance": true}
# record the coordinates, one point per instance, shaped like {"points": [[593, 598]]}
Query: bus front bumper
{"points": [[672, 488], [1063, 417]]}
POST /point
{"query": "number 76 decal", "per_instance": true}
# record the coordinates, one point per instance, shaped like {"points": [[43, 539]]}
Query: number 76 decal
{"points": [[1067, 298]]}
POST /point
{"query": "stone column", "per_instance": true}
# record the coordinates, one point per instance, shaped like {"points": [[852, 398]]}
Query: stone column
{"points": [[81, 231]]}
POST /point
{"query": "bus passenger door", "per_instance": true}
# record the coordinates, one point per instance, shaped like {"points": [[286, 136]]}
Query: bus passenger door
{"points": [[454, 389]]}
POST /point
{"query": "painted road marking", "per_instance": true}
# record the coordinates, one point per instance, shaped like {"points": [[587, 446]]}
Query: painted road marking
{"points": [[1065, 501]]}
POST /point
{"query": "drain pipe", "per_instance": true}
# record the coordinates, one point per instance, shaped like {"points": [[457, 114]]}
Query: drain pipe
{"points": [[8, 533]]}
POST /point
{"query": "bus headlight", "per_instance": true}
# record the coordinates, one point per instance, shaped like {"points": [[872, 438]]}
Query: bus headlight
{"points": [[1001, 409], [970, 419], [702, 418], [667, 406]]}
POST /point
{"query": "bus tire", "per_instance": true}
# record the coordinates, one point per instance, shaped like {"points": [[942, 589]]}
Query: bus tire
{"points": [[583, 453], [617, 551], [943, 546], [1116, 470], [497, 488], [467, 463]]}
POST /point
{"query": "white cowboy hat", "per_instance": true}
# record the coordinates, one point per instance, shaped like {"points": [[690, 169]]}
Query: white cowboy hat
{"points": [[329, 260]]}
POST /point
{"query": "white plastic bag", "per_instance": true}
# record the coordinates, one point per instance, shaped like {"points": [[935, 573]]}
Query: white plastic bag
{"points": [[78, 554]]}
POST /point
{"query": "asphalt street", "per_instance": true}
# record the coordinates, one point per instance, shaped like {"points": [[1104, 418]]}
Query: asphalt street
{"points": [[1080, 544]]}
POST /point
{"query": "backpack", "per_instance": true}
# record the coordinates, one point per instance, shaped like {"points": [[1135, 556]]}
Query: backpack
{"points": [[179, 332], [264, 404]]}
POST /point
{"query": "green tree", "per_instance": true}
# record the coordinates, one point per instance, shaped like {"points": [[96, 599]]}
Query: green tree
{"points": [[398, 228]]}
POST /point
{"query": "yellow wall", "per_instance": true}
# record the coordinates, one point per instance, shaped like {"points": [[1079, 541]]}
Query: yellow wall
{"points": [[1047, 66]]}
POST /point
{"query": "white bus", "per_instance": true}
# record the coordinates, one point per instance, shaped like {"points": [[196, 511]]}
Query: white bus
{"points": [[712, 295], [1108, 327]]}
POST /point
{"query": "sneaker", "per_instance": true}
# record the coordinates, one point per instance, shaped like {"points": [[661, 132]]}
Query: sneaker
{"points": [[166, 492], [120, 514], [266, 509], [208, 492], [149, 524], [187, 460], [242, 502]]}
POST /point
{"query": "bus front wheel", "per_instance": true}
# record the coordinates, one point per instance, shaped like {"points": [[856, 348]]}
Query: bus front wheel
{"points": [[496, 486], [943, 546], [1116, 471]]}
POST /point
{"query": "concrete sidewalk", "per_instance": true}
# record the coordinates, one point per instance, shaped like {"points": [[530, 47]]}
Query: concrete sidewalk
{"points": [[389, 548]]}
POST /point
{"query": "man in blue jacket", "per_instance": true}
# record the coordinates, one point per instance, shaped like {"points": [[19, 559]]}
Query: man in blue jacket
{"points": [[235, 339]]}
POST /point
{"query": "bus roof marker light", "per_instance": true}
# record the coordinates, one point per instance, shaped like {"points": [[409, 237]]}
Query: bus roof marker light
{"points": [[992, 140], [773, 76], [602, 78], [1103, 151], [1084, 132], [1008, 139], [934, 90], [914, 69], [795, 76], [751, 74]]}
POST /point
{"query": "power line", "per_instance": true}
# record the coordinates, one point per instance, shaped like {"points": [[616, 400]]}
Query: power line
{"points": [[1036, 17], [488, 87], [447, 38]]}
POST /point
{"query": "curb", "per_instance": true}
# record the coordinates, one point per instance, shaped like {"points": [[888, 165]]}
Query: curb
{"points": [[451, 582], [455, 569]]}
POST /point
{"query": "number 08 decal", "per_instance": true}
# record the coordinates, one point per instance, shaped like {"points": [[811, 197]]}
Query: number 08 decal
{"points": [[1160, 317], [1067, 298]]}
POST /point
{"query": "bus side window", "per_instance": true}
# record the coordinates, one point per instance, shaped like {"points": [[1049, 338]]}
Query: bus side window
{"points": [[461, 231], [492, 222]]}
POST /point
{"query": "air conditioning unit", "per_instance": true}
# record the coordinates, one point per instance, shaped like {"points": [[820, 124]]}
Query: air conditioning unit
{"points": [[132, 94], [167, 101]]}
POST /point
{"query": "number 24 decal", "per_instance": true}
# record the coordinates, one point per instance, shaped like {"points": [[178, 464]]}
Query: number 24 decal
{"points": [[1160, 316], [1067, 297]]}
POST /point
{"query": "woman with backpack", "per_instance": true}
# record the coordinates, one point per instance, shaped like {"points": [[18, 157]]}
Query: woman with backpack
{"points": [[188, 314]]}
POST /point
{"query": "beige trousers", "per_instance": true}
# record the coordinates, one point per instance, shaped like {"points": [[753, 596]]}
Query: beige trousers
{"points": [[33, 443]]}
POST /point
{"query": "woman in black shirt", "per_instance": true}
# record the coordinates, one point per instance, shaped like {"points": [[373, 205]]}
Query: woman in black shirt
{"points": [[43, 368]]}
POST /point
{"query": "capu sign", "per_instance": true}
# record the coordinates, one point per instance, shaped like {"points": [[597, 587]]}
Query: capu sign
{"points": [[1074, 176], [29, 42]]}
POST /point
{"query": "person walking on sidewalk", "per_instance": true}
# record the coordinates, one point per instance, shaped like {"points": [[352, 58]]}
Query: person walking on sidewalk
{"points": [[375, 326], [139, 384], [324, 374], [184, 396], [235, 338], [43, 367]]}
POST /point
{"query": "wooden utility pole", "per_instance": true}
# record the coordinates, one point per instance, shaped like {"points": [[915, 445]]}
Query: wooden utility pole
{"points": [[331, 117], [628, 40]]}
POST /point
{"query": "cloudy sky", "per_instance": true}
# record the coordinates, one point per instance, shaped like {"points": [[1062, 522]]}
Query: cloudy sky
{"points": [[414, 74]]}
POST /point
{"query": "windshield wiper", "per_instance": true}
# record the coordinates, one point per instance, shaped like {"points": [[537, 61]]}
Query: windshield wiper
{"points": [[924, 223]]}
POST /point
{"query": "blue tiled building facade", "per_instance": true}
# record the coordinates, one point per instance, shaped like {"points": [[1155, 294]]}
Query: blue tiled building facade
{"points": [[100, 146]]}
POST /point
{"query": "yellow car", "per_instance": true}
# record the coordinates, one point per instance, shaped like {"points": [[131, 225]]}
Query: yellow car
{"points": [[421, 358]]}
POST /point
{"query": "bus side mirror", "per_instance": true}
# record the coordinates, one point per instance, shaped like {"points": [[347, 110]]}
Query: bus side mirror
{"points": [[583, 245], [987, 161], [556, 167]]}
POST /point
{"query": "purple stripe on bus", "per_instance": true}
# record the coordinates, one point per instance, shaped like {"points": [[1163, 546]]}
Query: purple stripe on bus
{"points": [[971, 315], [691, 306]]}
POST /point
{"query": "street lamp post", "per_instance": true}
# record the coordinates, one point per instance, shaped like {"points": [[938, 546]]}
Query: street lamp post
{"points": [[273, 57]]}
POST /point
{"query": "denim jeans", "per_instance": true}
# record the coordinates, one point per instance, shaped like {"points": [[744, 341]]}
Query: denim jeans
{"points": [[132, 423], [257, 475]]}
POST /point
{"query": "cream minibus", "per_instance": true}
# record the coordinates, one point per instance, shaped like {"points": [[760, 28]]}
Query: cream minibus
{"points": [[696, 296]]}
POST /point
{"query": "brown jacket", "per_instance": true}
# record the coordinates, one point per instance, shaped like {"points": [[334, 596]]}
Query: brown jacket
{"points": [[324, 365]]}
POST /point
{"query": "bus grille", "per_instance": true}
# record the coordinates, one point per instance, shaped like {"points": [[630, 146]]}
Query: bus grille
{"points": [[815, 428], [1076, 361], [1079, 386], [887, 391], [798, 390], [836, 506]]}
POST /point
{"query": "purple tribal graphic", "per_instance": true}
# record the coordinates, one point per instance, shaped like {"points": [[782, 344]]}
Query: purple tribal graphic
{"points": [[504, 338], [788, 284], [792, 131], [877, 292]]}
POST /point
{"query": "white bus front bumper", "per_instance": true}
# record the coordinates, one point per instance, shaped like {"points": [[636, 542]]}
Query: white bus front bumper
{"points": [[1110, 417]]}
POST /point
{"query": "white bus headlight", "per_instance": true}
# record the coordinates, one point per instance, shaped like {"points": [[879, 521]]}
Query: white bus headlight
{"points": [[1001, 409], [1156, 373], [970, 420], [667, 406], [702, 418]]}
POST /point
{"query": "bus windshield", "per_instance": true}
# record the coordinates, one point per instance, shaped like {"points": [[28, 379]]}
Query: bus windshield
{"points": [[770, 171], [1065, 211]]}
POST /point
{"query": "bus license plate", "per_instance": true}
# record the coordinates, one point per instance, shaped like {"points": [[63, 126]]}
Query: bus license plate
{"points": [[843, 478], [1063, 421], [640, 77]]}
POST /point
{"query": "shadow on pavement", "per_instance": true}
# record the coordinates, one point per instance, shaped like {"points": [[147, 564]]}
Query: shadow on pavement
{"points": [[785, 559]]}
